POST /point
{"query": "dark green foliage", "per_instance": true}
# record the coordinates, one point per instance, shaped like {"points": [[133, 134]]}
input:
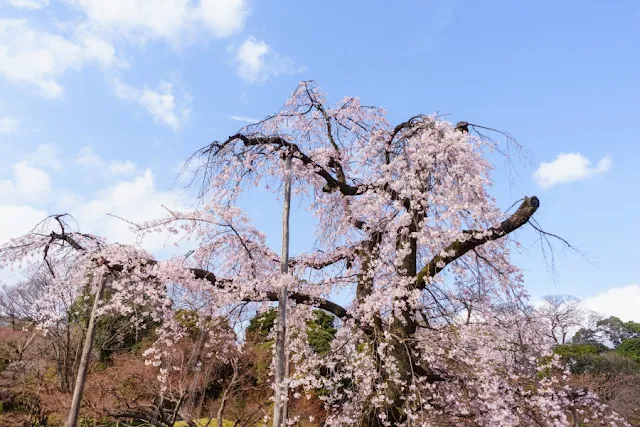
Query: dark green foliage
{"points": [[114, 333], [576, 350], [260, 326], [615, 330], [609, 364], [596, 359], [320, 330], [630, 348], [586, 336]]}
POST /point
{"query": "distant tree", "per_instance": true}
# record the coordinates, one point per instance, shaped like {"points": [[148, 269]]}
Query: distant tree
{"points": [[573, 349], [615, 330], [586, 336], [562, 313], [320, 329], [261, 325], [630, 348]]}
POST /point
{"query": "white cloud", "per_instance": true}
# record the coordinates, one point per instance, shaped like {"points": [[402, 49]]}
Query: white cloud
{"points": [[223, 17], [46, 156], [134, 200], [28, 184], [251, 57], [120, 167], [28, 196], [31, 183], [176, 21], [569, 167], [39, 58], [28, 4], [18, 220], [8, 125], [163, 106], [245, 119], [88, 158], [622, 302], [257, 62]]}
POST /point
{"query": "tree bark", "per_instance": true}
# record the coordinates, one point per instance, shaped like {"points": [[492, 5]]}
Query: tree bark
{"points": [[85, 358], [279, 416], [227, 392]]}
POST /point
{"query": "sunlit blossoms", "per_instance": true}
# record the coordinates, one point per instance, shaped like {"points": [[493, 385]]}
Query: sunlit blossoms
{"points": [[437, 333]]}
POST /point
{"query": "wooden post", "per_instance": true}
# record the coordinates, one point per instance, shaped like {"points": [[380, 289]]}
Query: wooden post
{"points": [[285, 404], [86, 357], [279, 417]]}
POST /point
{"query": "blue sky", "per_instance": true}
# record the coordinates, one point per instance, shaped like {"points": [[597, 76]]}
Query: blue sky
{"points": [[100, 101]]}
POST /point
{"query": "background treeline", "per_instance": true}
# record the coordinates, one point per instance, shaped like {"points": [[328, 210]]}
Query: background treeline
{"points": [[38, 364]]}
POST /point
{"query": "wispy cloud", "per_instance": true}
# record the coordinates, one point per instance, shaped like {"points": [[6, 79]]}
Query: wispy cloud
{"points": [[28, 4], [8, 125], [29, 183], [177, 22], [39, 58], [622, 302], [569, 167], [122, 167], [88, 158], [244, 119], [257, 62], [161, 103], [46, 156]]}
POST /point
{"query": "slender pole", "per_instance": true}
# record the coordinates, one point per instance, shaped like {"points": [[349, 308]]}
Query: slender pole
{"points": [[279, 418], [285, 404], [86, 356]]}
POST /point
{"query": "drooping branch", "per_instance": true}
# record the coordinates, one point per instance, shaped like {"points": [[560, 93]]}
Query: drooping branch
{"points": [[476, 238], [277, 141], [299, 298], [342, 253], [217, 282], [333, 162]]}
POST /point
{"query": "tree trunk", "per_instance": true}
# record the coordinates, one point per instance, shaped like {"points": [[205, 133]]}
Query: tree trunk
{"points": [[227, 391], [278, 415], [402, 329], [85, 358]]}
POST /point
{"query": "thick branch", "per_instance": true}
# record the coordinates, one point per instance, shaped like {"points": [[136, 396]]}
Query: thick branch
{"points": [[342, 253], [333, 162], [200, 273], [459, 248], [66, 238], [332, 183]]}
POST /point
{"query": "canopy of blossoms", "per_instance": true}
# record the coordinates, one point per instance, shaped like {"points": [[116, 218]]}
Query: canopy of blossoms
{"points": [[436, 334]]}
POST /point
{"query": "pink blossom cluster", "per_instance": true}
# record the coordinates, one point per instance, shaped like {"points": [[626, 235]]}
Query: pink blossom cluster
{"points": [[404, 221]]}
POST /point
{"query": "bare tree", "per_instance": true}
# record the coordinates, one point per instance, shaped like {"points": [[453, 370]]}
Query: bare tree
{"points": [[562, 313], [19, 303]]}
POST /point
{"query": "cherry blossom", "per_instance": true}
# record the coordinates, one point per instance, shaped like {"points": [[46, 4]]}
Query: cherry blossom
{"points": [[437, 334]]}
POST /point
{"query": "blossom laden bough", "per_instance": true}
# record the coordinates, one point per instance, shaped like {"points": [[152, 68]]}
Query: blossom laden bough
{"points": [[436, 334]]}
